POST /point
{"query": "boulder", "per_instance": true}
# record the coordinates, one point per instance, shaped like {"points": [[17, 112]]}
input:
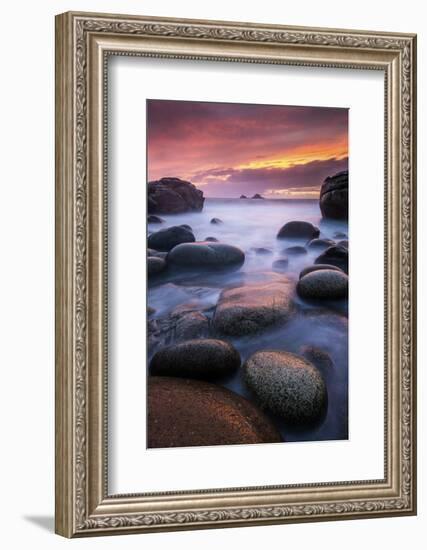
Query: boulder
{"points": [[334, 196], [204, 254], [324, 284], [186, 226], [216, 221], [320, 244], [173, 196], [155, 266], [334, 255], [166, 239], [288, 385], [318, 267], [340, 235], [261, 251], [154, 219], [211, 240], [243, 197], [253, 307], [281, 265], [257, 196], [202, 359], [294, 251], [298, 230], [186, 413]]}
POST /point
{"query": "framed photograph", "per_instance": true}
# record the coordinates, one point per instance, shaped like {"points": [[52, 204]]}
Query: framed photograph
{"points": [[235, 274]]}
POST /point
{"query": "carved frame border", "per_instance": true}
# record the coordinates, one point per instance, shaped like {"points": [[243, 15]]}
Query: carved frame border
{"points": [[83, 43]]}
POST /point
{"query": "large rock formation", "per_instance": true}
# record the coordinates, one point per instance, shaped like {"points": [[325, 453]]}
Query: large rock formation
{"points": [[173, 196], [334, 196]]}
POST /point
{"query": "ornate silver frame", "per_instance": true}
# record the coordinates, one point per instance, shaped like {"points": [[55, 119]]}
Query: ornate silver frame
{"points": [[83, 42]]}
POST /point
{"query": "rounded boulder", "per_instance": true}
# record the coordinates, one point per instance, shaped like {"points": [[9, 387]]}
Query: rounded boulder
{"points": [[206, 255], [324, 284], [166, 239], [298, 230]]}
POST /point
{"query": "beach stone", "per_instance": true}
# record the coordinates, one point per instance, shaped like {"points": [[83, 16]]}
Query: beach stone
{"points": [[155, 265], [201, 358], [166, 239], [261, 251], [320, 358], [318, 267], [334, 196], [243, 197], [216, 221], [154, 219], [321, 244], [211, 240], [334, 255], [186, 226], [288, 385], [257, 196], [324, 284], [343, 243], [294, 251], [298, 230], [173, 196], [281, 264], [340, 235], [206, 255], [186, 413], [253, 307]]}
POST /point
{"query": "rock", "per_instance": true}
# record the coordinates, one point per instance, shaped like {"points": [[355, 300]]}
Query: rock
{"points": [[173, 196], [334, 255], [294, 251], [211, 240], [320, 358], [343, 243], [216, 221], [155, 265], [154, 219], [186, 226], [334, 196], [298, 230], [287, 385], [166, 239], [206, 255], [257, 196], [202, 359], [186, 413], [156, 253], [253, 307], [324, 284], [281, 265], [243, 197], [260, 251], [318, 267], [340, 235], [320, 244]]}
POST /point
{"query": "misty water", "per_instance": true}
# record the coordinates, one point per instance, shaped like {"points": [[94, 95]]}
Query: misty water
{"points": [[250, 224]]}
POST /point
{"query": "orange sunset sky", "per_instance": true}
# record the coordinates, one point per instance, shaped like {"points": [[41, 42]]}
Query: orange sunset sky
{"points": [[229, 149]]}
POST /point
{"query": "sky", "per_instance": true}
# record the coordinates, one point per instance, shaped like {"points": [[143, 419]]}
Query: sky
{"points": [[230, 149]]}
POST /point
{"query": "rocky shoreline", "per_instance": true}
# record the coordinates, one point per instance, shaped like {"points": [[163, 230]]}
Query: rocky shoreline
{"points": [[197, 353]]}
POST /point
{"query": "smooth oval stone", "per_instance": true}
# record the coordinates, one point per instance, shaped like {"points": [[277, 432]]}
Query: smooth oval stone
{"points": [[340, 235], [155, 265], [320, 358], [298, 230], [211, 240], [165, 239], [318, 267], [216, 221], [333, 199], [186, 413], [320, 244], [294, 251], [281, 264], [186, 226], [253, 307], [154, 219], [325, 284], [206, 254], [261, 251], [288, 385], [334, 255], [201, 358]]}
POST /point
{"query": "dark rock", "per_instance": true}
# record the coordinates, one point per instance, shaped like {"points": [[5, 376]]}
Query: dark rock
{"points": [[206, 255], [154, 219], [343, 243], [186, 413], [155, 265], [324, 284], [281, 265], [173, 196], [340, 235], [294, 251], [260, 251], [253, 307], [334, 255], [288, 385], [257, 196], [203, 359], [320, 358], [243, 197], [318, 267], [320, 244], [298, 230], [211, 240], [334, 196], [186, 226], [166, 239], [216, 221]]}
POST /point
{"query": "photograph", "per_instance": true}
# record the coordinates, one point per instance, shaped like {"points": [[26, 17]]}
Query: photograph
{"points": [[247, 273]]}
